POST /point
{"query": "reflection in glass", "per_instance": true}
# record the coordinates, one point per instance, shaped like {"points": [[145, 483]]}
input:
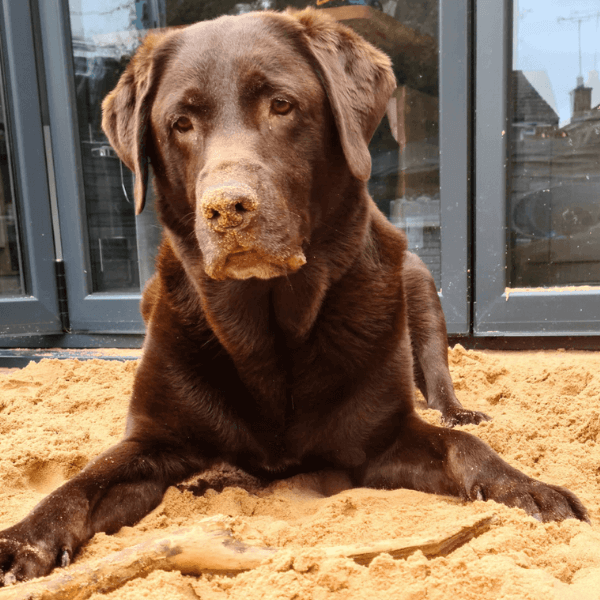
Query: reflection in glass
{"points": [[554, 206], [405, 176], [104, 35], [405, 148], [405, 179], [11, 265]]}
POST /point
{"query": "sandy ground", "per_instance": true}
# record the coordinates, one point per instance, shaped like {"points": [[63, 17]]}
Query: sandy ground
{"points": [[57, 415]]}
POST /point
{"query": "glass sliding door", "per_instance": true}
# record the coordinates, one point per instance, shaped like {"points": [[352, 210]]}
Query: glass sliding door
{"points": [[538, 168], [405, 180], [104, 36], [84, 55]]}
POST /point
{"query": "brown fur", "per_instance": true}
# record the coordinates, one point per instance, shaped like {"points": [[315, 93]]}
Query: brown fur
{"points": [[286, 323]]}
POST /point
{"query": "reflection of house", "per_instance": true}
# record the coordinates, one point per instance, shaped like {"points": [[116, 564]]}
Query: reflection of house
{"points": [[582, 158], [555, 183]]}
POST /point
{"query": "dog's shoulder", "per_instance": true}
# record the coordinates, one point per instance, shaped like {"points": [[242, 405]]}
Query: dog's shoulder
{"points": [[385, 245], [151, 295], [169, 294], [371, 292]]}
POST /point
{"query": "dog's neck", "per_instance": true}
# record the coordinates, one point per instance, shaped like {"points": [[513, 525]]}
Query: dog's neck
{"points": [[336, 244], [294, 301], [258, 321]]}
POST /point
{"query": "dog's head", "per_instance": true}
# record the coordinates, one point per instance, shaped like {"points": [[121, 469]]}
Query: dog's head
{"points": [[247, 121]]}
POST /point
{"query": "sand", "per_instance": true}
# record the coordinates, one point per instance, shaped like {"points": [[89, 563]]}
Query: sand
{"points": [[56, 415]]}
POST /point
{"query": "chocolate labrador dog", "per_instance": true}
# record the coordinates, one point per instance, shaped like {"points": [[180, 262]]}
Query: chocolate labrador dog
{"points": [[287, 323]]}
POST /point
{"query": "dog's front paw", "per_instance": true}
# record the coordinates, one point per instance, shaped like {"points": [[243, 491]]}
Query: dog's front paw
{"points": [[23, 557], [457, 415], [543, 501]]}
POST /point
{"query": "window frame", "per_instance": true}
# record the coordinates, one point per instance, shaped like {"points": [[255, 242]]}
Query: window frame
{"points": [[455, 162], [38, 309]]}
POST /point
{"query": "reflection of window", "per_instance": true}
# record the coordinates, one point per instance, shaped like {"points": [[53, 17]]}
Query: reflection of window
{"points": [[11, 273]]}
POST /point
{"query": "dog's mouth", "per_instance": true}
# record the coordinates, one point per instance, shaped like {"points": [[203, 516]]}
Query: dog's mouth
{"points": [[244, 263], [260, 251]]}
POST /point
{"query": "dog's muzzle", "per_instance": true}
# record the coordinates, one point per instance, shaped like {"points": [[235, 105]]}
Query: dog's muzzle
{"points": [[240, 238]]}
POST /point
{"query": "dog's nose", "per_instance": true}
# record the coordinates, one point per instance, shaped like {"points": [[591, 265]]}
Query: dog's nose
{"points": [[228, 206]]}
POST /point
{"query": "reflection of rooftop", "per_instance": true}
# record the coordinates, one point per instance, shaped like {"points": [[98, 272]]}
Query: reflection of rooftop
{"points": [[528, 104]]}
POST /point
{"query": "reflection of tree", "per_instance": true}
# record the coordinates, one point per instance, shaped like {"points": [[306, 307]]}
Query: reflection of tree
{"points": [[100, 13], [185, 12]]}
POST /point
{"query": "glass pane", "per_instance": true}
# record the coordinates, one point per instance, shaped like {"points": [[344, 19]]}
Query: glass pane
{"points": [[405, 178], [104, 38], [554, 205], [405, 148], [11, 263]]}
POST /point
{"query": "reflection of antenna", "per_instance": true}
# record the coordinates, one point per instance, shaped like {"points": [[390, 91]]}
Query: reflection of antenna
{"points": [[580, 19]]}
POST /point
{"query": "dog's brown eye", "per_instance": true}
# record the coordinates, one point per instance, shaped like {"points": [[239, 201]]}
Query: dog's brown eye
{"points": [[183, 124], [281, 107]]}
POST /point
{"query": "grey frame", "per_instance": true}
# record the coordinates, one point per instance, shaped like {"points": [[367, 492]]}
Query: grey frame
{"points": [[455, 109], [38, 310], [499, 311], [101, 313]]}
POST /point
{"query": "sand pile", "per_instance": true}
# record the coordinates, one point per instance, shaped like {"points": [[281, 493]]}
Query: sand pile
{"points": [[57, 415]]}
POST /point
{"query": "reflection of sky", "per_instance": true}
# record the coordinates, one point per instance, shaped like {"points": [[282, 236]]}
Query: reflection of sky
{"points": [[93, 17], [550, 47]]}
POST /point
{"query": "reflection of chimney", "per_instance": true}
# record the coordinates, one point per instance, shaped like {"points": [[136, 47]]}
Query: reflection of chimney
{"points": [[581, 100], [593, 81]]}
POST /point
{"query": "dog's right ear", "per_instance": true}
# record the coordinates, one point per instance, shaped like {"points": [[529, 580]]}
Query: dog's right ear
{"points": [[126, 112]]}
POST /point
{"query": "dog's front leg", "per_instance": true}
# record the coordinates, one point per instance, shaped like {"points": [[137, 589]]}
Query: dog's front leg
{"points": [[118, 488], [455, 463], [429, 342]]}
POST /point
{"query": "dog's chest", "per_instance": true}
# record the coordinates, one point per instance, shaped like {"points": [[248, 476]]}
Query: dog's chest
{"points": [[302, 440], [308, 414]]}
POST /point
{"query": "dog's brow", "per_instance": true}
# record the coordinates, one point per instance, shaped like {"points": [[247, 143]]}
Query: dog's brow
{"points": [[256, 83], [194, 100]]}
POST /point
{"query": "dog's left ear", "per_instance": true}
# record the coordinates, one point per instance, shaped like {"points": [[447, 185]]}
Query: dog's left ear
{"points": [[126, 113], [358, 80]]}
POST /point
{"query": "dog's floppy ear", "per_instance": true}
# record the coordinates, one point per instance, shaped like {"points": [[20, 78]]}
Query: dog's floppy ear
{"points": [[358, 80], [126, 113]]}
